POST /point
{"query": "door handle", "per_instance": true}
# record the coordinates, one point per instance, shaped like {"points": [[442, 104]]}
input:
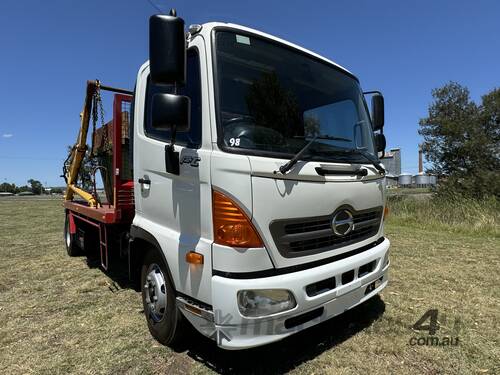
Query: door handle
{"points": [[144, 181]]}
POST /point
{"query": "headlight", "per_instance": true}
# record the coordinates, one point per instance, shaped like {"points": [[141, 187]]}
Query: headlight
{"points": [[262, 302]]}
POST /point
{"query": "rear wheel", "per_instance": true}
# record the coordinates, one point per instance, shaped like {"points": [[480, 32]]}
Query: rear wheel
{"points": [[165, 321], [69, 240]]}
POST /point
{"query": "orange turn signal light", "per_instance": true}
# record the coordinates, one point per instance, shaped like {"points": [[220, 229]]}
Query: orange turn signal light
{"points": [[194, 258], [386, 212], [232, 227]]}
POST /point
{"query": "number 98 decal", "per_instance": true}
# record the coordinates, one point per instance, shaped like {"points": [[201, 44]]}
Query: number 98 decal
{"points": [[234, 142]]}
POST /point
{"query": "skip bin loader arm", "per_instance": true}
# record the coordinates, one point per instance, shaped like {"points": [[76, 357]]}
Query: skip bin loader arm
{"points": [[79, 149]]}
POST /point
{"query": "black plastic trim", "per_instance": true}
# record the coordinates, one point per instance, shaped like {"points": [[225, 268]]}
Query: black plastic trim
{"points": [[320, 287], [299, 267], [325, 172], [304, 318]]}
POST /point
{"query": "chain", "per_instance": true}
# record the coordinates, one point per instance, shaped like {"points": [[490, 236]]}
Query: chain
{"points": [[99, 102], [97, 113], [97, 108]]}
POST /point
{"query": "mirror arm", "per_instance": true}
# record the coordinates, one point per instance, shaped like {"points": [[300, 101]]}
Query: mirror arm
{"points": [[173, 130], [383, 151], [173, 135], [174, 127]]}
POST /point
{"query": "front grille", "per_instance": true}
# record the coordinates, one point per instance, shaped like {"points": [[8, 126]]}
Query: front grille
{"points": [[306, 236]]}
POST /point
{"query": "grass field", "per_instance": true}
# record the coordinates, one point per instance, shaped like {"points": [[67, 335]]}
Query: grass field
{"points": [[62, 315]]}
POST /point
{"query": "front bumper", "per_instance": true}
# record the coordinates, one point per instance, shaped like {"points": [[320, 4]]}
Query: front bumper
{"points": [[234, 331]]}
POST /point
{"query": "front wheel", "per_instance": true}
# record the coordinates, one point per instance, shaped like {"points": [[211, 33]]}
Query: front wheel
{"points": [[165, 321]]}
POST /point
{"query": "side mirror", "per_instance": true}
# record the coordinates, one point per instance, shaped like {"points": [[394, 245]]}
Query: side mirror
{"points": [[167, 49], [377, 111], [380, 142], [170, 110]]}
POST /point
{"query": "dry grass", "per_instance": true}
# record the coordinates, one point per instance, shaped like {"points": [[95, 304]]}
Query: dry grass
{"points": [[61, 316], [460, 215]]}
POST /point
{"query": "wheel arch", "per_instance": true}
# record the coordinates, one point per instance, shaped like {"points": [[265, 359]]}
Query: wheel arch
{"points": [[141, 241]]}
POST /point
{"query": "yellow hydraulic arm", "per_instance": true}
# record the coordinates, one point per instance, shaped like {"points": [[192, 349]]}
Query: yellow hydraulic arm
{"points": [[79, 149]]}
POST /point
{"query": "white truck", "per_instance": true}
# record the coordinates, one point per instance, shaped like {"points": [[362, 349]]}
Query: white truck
{"points": [[258, 194]]}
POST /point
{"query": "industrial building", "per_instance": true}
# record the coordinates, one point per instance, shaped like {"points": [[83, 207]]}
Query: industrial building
{"points": [[392, 161], [392, 164], [394, 177]]}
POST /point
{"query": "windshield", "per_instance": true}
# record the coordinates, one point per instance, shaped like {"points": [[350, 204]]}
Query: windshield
{"points": [[273, 99]]}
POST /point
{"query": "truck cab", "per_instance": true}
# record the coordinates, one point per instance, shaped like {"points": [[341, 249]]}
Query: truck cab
{"points": [[259, 195]]}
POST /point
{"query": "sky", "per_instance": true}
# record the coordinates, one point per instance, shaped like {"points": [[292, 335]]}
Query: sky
{"points": [[48, 50]]}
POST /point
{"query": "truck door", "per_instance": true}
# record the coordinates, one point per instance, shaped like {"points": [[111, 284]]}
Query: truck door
{"points": [[169, 206]]}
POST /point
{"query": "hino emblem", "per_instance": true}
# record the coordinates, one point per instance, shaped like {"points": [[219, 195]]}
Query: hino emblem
{"points": [[342, 223]]}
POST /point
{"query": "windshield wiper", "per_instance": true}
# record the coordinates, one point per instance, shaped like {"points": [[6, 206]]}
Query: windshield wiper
{"points": [[328, 137], [287, 166], [372, 159]]}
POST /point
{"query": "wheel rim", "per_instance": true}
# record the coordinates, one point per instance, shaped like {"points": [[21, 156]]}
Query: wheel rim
{"points": [[155, 293], [67, 235]]}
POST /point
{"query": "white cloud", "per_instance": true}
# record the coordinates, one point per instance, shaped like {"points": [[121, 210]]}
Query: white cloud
{"points": [[7, 135]]}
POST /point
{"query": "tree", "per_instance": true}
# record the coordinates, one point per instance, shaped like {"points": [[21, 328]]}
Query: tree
{"points": [[461, 141], [57, 190], [8, 188], [36, 186], [21, 189], [89, 162]]}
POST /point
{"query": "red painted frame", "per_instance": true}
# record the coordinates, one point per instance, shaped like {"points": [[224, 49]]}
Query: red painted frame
{"points": [[123, 208], [123, 194]]}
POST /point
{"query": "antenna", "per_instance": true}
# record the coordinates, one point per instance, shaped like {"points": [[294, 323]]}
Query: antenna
{"points": [[155, 6], [172, 13]]}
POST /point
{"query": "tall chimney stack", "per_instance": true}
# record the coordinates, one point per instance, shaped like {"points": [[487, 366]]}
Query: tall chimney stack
{"points": [[420, 160]]}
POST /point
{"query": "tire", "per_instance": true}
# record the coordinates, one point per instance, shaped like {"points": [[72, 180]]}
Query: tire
{"points": [[69, 240], [165, 321]]}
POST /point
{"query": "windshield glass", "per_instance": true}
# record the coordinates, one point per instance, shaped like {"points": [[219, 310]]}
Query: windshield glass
{"points": [[273, 99]]}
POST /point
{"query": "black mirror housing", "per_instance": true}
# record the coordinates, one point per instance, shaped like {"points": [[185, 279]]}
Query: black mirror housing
{"points": [[170, 110], [167, 50], [377, 111], [380, 142]]}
